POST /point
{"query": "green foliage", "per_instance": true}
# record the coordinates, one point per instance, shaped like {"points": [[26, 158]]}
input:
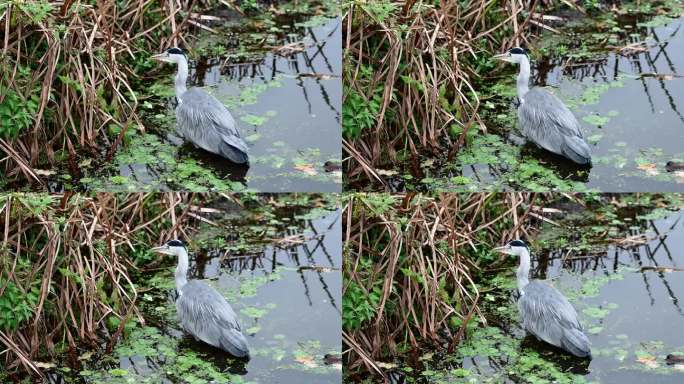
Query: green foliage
{"points": [[378, 203], [378, 10], [17, 112], [595, 312], [37, 203], [359, 114], [524, 173], [596, 120], [359, 306], [526, 365], [149, 150], [254, 120], [36, 11], [150, 343], [16, 306], [250, 6], [592, 5]]}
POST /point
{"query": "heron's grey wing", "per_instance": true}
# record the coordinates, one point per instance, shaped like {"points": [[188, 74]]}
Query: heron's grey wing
{"points": [[206, 314], [545, 120], [206, 122], [548, 315]]}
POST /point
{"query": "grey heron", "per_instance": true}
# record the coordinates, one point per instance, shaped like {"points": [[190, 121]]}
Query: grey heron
{"points": [[545, 312], [201, 118], [202, 311], [543, 118]]}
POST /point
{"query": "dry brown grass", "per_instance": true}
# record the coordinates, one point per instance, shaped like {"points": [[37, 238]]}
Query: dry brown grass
{"points": [[81, 57]]}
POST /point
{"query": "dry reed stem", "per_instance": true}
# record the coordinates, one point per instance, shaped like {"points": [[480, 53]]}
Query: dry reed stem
{"points": [[85, 81]]}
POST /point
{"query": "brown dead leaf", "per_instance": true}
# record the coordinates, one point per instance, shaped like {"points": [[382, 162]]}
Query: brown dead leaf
{"points": [[650, 168], [318, 76], [85, 356], [306, 360], [649, 361], [679, 177], [659, 76], [307, 168], [44, 172], [386, 365], [386, 172]]}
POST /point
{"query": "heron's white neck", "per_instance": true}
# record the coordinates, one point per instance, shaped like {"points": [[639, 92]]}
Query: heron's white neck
{"points": [[182, 270], [523, 270], [181, 77], [523, 78]]}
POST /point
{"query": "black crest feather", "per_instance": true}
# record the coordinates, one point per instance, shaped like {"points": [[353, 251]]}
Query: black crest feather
{"points": [[517, 243], [175, 50], [175, 243], [518, 51]]}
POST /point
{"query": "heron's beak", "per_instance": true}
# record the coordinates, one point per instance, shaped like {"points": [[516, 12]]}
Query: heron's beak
{"points": [[163, 249], [504, 57], [505, 249], [161, 57]]}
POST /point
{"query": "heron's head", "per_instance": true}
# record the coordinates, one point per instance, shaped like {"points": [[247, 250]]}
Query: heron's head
{"points": [[173, 247], [514, 55], [171, 55], [515, 248]]}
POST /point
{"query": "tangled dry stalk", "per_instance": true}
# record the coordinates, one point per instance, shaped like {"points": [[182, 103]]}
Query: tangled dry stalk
{"points": [[81, 58], [425, 64], [420, 253], [74, 252]]}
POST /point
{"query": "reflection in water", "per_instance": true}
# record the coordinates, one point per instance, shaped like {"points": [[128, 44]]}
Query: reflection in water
{"points": [[645, 59]]}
